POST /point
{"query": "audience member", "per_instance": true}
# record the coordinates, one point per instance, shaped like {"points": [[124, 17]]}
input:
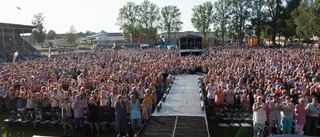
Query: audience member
{"points": [[313, 111], [121, 115], [259, 115], [66, 117], [135, 115], [78, 107], [300, 116], [286, 113], [274, 115], [93, 117]]}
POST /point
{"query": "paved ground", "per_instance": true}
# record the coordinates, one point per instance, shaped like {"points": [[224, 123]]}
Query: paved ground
{"points": [[183, 98], [181, 114]]}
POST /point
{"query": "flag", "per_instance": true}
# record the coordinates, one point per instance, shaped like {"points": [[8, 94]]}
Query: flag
{"points": [[15, 55], [18, 8]]}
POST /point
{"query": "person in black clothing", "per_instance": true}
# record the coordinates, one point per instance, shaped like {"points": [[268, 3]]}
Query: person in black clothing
{"points": [[93, 118], [294, 96], [165, 74], [17, 85], [316, 93]]}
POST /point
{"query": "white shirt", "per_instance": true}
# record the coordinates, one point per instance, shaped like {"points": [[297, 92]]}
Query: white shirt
{"points": [[260, 115], [30, 103], [104, 101], [211, 90], [55, 102], [113, 98]]}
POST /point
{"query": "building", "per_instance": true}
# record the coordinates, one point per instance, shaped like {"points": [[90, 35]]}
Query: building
{"points": [[104, 39]]}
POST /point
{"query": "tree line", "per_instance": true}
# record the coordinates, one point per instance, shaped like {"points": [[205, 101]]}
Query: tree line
{"points": [[226, 18], [235, 19], [146, 18]]}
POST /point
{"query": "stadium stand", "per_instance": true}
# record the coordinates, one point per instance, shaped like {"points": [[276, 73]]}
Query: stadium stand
{"points": [[11, 41]]}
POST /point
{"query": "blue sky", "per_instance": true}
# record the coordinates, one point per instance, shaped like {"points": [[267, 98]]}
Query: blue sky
{"points": [[93, 15]]}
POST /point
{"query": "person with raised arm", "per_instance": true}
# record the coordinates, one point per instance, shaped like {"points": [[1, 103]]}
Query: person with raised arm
{"points": [[78, 107], [93, 118], [121, 115], [259, 115], [300, 116], [134, 108], [286, 113]]}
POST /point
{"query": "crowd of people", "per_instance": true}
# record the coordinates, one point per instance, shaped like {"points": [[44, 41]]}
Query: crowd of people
{"points": [[280, 86], [91, 86], [130, 82]]}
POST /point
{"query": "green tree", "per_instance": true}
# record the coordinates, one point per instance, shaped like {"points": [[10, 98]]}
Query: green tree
{"points": [[128, 20], [288, 25], [258, 16], [38, 34], [170, 20], [221, 17], [239, 16], [307, 18], [51, 35], [266, 31], [202, 18], [149, 15], [72, 35], [301, 20], [274, 10]]}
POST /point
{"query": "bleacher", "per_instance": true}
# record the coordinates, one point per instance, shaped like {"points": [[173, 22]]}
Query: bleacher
{"points": [[11, 41]]}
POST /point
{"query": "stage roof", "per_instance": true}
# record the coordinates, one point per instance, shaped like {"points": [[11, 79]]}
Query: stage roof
{"points": [[18, 28]]}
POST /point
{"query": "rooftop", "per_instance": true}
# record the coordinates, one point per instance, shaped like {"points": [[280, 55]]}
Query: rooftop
{"points": [[18, 28]]}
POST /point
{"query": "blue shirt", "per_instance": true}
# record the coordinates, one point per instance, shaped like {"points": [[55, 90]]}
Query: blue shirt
{"points": [[21, 102], [135, 112], [78, 110], [312, 108], [287, 113]]}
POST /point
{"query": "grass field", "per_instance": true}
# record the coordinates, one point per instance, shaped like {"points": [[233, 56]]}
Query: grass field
{"points": [[53, 49]]}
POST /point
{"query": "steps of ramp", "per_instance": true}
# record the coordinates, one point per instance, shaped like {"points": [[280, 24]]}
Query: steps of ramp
{"points": [[177, 126]]}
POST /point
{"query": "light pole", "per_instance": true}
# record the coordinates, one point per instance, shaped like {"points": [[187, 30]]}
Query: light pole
{"points": [[18, 8]]}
